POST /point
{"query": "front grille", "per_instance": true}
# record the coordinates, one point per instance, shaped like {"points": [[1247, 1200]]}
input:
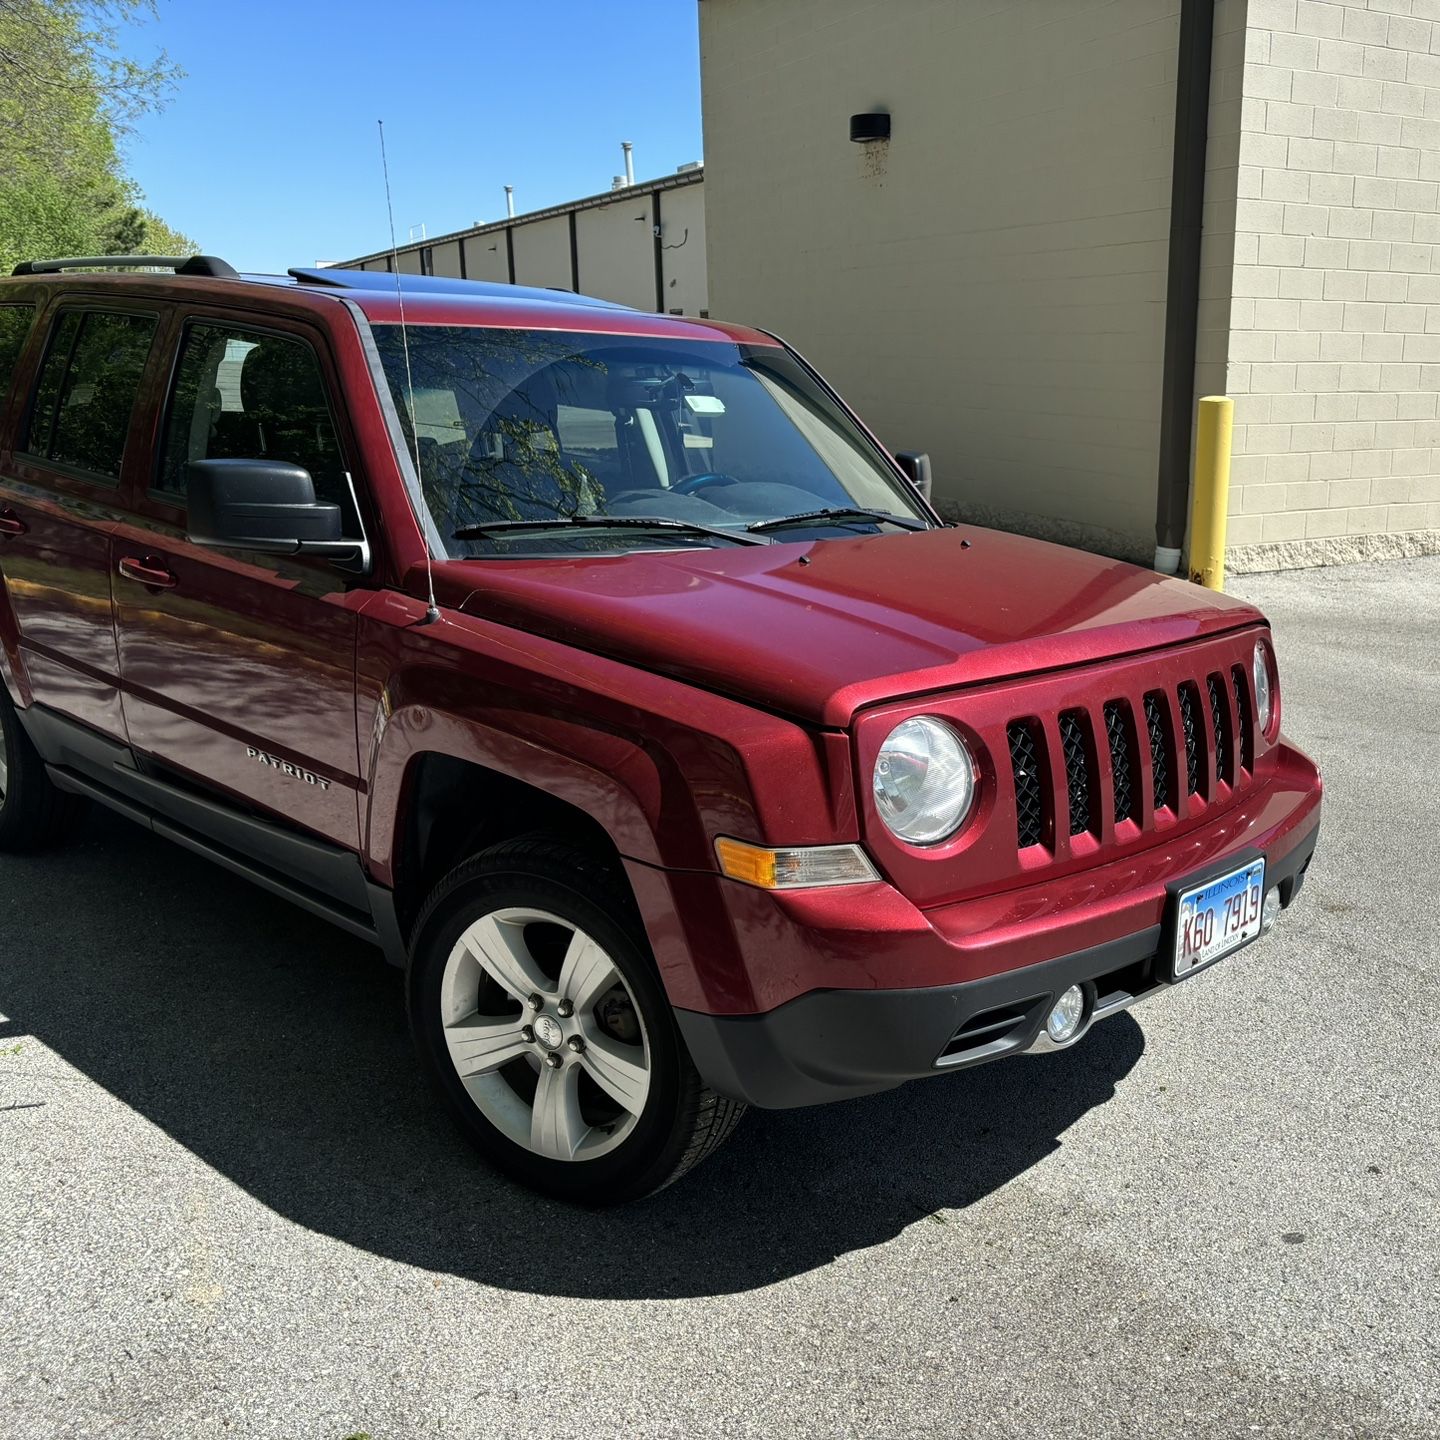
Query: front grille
{"points": [[1190, 726], [1029, 783], [1120, 732], [1242, 718], [1220, 723], [1077, 771], [1144, 733], [1159, 750]]}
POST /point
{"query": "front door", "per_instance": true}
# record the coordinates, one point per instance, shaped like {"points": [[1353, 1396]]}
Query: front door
{"points": [[238, 669]]}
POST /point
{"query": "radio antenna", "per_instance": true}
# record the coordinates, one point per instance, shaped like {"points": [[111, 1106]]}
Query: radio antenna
{"points": [[432, 610]]}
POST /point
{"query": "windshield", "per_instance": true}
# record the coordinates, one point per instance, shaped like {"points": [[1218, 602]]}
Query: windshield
{"points": [[535, 425]]}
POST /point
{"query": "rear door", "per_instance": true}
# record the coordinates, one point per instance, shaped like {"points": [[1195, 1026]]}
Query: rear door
{"points": [[239, 669], [71, 446]]}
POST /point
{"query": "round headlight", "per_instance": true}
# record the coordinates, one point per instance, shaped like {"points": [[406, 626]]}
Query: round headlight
{"points": [[924, 781], [1264, 696]]}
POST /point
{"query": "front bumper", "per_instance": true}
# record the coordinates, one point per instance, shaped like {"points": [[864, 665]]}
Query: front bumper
{"points": [[834, 1044]]}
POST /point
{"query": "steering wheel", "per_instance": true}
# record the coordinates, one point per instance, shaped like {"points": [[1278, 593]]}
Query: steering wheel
{"points": [[692, 483]]}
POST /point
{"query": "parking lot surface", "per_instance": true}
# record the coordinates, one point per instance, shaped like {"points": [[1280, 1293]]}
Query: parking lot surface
{"points": [[228, 1206]]}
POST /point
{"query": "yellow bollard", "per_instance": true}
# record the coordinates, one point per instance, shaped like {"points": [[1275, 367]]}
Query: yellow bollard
{"points": [[1210, 494]]}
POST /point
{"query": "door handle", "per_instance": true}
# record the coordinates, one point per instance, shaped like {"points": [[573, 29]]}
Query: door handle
{"points": [[11, 523], [151, 572]]}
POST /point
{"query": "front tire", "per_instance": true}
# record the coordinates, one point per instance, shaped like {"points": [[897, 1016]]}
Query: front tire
{"points": [[541, 1020]]}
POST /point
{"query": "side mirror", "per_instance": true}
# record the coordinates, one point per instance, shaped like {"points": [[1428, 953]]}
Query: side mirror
{"points": [[917, 470], [264, 505]]}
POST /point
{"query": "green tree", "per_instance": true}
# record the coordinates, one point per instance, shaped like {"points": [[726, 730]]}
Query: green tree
{"points": [[162, 239], [68, 97]]}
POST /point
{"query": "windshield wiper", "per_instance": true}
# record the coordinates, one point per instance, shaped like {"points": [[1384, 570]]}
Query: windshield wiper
{"points": [[839, 512], [485, 529]]}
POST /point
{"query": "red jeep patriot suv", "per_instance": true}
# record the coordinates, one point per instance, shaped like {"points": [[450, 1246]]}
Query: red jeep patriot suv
{"points": [[603, 669]]}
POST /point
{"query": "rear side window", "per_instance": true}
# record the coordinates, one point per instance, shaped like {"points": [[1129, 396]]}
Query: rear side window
{"points": [[87, 389], [14, 327], [246, 395]]}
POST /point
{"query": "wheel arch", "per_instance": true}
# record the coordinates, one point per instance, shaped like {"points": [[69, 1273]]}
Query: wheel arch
{"points": [[455, 807], [445, 786]]}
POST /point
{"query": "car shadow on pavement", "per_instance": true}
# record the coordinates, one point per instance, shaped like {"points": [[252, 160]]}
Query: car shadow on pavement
{"points": [[274, 1047]]}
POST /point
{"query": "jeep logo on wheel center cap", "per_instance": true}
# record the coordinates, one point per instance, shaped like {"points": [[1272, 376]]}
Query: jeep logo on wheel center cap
{"points": [[548, 1032]]}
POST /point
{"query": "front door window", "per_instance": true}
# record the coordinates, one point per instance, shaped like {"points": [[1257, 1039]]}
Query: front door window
{"points": [[247, 395]]}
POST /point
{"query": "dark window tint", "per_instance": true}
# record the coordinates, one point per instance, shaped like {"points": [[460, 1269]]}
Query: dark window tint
{"points": [[14, 327], [240, 395], [87, 389]]}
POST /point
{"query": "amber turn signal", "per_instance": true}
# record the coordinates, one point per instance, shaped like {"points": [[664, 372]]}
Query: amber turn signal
{"points": [[803, 868]]}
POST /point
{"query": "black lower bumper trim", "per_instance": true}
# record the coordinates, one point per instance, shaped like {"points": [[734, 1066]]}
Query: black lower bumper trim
{"points": [[837, 1044]]}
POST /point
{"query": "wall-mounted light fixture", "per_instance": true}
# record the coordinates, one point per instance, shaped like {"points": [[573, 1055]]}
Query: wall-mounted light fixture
{"points": [[872, 125]]}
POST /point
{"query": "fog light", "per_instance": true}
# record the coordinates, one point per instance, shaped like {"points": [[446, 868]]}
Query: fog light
{"points": [[1064, 1020], [1271, 911]]}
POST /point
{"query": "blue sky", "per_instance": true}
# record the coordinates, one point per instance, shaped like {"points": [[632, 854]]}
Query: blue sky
{"points": [[268, 155]]}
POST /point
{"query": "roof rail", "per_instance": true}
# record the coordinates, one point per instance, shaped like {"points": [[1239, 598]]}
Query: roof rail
{"points": [[180, 264], [384, 282]]}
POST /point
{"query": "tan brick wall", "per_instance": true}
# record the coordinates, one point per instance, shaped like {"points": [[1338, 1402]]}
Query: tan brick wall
{"points": [[992, 289], [1334, 345]]}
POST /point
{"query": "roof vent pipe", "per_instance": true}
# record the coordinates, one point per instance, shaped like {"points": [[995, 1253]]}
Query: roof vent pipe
{"points": [[510, 201], [629, 150]]}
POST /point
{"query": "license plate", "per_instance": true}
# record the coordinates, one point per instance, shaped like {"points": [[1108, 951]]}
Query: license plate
{"points": [[1219, 916]]}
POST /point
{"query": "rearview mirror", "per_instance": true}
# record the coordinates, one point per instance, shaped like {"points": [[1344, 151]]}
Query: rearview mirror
{"points": [[264, 505], [916, 466]]}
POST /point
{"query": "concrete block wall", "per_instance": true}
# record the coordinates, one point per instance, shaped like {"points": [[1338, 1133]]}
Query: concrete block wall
{"points": [[1222, 178], [1333, 351]]}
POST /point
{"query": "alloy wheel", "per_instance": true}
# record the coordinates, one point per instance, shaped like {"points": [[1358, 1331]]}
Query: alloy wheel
{"points": [[544, 1034], [4, 766]]}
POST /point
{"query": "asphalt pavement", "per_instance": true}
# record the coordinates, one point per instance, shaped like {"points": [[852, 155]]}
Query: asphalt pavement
{"points": [[228, 1206]]}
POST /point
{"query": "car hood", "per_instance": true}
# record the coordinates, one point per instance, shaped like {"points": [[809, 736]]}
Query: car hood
{"points": [[820, 629]]}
